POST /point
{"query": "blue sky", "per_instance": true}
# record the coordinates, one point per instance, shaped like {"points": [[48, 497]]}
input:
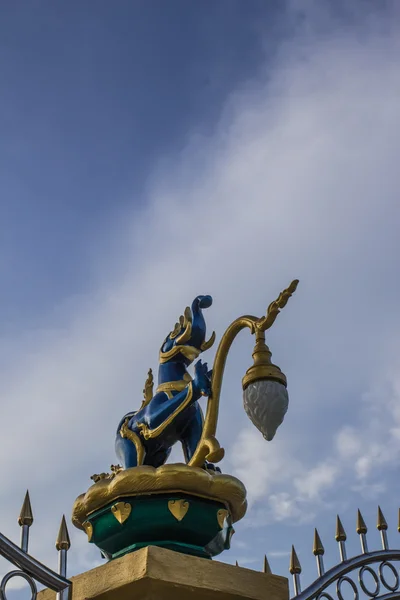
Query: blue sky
{"points": [[152, 151]]}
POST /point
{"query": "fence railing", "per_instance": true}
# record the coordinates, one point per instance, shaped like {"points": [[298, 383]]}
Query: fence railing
{"points": [[378, 564], [28, 567]]}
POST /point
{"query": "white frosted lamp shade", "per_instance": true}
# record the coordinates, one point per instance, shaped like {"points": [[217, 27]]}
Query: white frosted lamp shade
{"points": [[266, 402]]}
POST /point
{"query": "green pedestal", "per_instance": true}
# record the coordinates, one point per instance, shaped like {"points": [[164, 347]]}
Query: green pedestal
{"points": [[178, 522], [178, 507]]}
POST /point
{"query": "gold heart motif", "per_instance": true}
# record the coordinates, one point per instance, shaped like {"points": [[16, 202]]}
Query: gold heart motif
{"points": [[221, 516], [88, 527], [178, 508], [121, 511]]}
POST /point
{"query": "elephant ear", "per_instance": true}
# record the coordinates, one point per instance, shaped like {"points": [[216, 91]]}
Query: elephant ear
{"points": [[187, 324]]}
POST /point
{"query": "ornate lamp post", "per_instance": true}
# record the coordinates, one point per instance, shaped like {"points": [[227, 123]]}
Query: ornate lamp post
{"points": [[265, 395], [188, 507]]}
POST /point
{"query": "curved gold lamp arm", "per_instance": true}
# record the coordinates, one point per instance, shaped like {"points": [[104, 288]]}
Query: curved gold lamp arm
{"points": [[208, 447]]}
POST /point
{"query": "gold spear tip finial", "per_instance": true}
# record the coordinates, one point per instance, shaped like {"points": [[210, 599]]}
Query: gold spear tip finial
{"points": [[63, 542], [318, 548], [340, 535], [361, 526], [26, 516], [266, 567], [381, 522], [295, 567]]}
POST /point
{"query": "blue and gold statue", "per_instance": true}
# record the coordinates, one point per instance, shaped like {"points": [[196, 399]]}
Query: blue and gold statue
{"points": [[173, 414], [191, 507]]}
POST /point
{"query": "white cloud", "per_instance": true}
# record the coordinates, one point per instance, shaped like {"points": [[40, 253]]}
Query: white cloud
{"points": [[317, 479]]}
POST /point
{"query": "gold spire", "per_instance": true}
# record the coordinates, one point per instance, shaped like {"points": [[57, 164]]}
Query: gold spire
{"points": [[63, 541], [361, 526], [381, 524], [266, 567], [295, 567], [26, 516], [340, 535], [318, 548]]}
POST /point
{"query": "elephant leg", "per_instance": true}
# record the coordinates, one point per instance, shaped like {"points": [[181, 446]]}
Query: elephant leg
{"points": [[158, 458], [126, 452], [192, 433]]}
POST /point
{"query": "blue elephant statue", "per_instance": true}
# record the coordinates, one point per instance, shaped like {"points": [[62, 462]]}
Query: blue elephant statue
{"points": [[172, 414]]}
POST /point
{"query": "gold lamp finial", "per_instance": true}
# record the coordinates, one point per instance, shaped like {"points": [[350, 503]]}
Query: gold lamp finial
{"points": [[63, 542], [381, 522], [262, 367], [340, 535], [361, 526], [266, 567], [295, 567], [26, 516], [318, 547]]}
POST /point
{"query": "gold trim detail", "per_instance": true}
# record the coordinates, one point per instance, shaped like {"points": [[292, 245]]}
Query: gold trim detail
{"points": [[189, 351], [169, 478], [221, 516], [121, 511], [177, 328], [128, 434], [187, 324], [152, 433], [207, 345], [208, 446], [262, 367], [88, 527], [173, 386], [148, 389], [178, 508]]}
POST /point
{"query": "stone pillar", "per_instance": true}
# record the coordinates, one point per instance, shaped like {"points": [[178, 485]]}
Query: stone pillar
{"points": [[154, 573]]}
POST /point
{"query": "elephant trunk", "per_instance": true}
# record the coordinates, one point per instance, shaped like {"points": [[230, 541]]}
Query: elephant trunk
{"points": [[198, 333]]}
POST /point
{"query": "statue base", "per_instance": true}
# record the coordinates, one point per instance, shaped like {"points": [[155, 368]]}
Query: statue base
{"points": [[177, 507], [156, 573]]}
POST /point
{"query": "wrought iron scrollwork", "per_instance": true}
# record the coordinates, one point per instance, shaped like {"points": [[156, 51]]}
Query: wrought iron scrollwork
{"points": [[395, 587], [358, 565], [378, 565], [17, 573], [28, 567]]}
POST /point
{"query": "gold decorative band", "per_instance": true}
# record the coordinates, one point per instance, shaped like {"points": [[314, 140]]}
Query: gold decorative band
{"points": [[167, 479], [172, 386], [152, 433], [189, 351], [127, 433]]}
